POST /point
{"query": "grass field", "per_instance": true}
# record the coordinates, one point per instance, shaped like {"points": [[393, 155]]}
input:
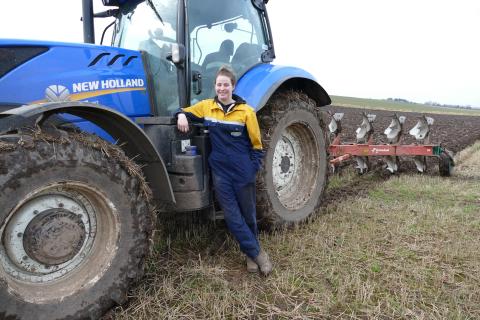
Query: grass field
{"points": [[406, 248], [398, 106]]}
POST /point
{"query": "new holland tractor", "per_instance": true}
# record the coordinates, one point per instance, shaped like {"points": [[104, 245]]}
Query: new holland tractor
{"points": [[89, 147]]}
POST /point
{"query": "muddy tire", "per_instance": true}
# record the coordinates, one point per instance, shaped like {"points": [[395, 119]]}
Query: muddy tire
{"points": [[74, 226], [291, 184], [445, 164]]}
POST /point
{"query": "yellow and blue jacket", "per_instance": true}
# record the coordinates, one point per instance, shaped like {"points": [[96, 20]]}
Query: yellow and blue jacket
{"points": [[234, 135]]}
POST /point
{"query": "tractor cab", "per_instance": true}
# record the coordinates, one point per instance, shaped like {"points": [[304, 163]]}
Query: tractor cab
{"points": [[184, 42]]}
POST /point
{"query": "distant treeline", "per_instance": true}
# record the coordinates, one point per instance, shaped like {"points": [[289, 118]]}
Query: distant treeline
{"points": [[432, 103]]}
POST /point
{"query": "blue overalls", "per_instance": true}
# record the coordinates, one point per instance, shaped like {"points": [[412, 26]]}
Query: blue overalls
{"points": [[234, 161]]}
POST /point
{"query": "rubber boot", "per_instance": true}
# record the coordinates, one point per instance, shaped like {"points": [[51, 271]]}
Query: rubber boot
{"points": [[252, 266], [264, 263]]}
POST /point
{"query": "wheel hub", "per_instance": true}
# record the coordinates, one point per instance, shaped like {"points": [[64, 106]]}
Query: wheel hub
{"points": [[285, 164], [48, 235], [54, 236], [296, 159], [284, 161]]}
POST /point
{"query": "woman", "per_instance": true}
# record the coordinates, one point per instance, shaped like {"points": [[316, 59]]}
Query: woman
{"points": [[234, 161]]}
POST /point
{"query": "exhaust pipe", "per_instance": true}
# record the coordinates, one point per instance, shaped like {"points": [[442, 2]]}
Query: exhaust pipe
{"points": [[87, 18]]}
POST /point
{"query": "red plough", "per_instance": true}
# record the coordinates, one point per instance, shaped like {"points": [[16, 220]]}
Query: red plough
{"points": [[365, 147]]}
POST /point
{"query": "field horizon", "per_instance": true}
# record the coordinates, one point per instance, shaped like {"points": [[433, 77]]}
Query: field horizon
{"points": [[384, 104]]}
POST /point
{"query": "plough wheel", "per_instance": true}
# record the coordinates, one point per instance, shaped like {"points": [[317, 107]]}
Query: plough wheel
{"points": [[293, 179], [445, 165]]}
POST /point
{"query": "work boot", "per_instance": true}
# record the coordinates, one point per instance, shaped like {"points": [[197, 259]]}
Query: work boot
{"points": [[264, 263], [252, 266]]}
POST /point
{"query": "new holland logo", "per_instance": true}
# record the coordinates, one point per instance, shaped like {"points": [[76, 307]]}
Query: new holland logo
{"points": [[55, 93]]}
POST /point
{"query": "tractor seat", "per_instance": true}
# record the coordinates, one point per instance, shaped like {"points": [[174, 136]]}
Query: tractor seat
{"points": [[247, 54], [219, 58]]}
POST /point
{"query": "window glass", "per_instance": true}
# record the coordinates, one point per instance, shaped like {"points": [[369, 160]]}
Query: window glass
{"points": [[223, 34], [141, 29]]}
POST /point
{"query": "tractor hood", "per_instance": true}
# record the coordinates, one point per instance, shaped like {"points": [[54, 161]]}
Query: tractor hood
{"points": [[38, 71]]}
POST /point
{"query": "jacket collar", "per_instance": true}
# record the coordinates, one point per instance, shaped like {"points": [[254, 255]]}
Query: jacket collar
{"points": [[238, 100]]}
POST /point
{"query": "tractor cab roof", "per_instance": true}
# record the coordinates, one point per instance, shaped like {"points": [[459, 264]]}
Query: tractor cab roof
{"points": [[205, 15]]}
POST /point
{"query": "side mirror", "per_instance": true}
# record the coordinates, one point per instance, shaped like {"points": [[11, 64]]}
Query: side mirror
{"points": [[229, 27], [259, 4], [178, 55]]}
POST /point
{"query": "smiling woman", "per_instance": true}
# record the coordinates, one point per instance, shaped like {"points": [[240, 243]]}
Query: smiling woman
{"points": [[234, 161]]}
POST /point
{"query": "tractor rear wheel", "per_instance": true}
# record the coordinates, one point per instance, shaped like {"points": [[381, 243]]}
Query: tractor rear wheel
{"points": [[294, 175], [74, 226]]}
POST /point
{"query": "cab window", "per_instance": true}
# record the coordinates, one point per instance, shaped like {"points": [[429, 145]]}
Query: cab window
{"points": [[222, 34], [140, 28]]}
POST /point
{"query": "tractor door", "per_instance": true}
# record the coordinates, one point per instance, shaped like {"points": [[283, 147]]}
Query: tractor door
{"points": [[151, 28], [234, 34], [157, 29]]}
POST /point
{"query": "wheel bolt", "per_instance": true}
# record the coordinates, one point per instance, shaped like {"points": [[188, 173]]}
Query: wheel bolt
{"points": [[19, 234], [35, 211], [60, 205]]}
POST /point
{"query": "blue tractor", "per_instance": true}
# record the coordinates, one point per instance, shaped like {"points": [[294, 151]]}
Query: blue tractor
{"points": [[88, 145]]}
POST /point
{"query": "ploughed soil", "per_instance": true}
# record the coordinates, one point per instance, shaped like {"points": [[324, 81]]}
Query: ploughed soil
{"points": [[453, 132]]}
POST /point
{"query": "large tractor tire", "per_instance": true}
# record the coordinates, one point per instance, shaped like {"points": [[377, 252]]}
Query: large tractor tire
{"points": [[293, 179], [74, 226]]}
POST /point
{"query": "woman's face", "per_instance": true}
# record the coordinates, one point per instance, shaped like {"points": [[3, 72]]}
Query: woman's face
{"points": [[224, 88]]}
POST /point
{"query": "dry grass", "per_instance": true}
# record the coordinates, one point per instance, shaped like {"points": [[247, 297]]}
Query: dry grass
{"points": [[406, 250], [468, 161]]}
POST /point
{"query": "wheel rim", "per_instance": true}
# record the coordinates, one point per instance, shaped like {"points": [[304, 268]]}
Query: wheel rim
{"points": [[60, 236], [295, 166]]}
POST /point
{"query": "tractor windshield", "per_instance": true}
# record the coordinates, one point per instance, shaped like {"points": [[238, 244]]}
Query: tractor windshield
{"points": [[140, 28], [223, 33], [216, 33]]}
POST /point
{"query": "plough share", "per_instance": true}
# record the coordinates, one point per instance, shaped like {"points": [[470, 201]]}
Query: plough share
{"points": [[364, 146]]}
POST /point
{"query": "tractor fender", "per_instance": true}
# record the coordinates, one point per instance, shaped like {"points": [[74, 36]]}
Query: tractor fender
{"points": [[135, 143], [258, 84]]}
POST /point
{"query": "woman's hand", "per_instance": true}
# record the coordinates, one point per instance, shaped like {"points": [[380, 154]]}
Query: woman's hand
{"points": [[182, 123]]}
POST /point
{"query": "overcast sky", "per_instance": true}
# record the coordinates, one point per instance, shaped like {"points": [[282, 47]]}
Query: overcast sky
{"points": [[420, 50]]}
